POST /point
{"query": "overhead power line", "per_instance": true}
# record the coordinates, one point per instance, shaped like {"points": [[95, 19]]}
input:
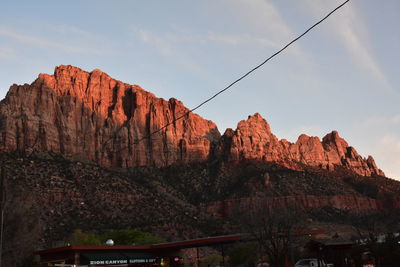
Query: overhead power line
{"points": [[243, 76]]}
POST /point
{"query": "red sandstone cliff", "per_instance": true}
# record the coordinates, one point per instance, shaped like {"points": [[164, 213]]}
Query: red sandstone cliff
{"points": [[253, 140], [91, 115]]}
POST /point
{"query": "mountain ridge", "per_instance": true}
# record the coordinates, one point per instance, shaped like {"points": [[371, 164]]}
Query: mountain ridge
{"points": [[67, 142], [253, 139], [91, 115]]}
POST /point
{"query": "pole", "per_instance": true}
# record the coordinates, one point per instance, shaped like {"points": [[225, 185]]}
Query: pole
{"points": [[291, 258], [2, 198], [198, 257], [1, 235], [223, 255]]}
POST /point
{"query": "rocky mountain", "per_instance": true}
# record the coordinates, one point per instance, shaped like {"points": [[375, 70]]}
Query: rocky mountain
{"points": [[92, 116], [75, 149], [253, 140], [49, 196]]}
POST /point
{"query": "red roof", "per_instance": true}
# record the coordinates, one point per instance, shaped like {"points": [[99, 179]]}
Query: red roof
{"points": [[200, 242], [207, 241]]}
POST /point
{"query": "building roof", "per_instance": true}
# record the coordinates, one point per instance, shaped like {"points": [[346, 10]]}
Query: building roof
{"points": [[207, 241], [199, 242], [333, 243]]}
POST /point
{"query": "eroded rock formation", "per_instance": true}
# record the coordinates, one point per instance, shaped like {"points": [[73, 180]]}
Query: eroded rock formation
{"points": [[94, 116], [91, 115], [253, 140]]}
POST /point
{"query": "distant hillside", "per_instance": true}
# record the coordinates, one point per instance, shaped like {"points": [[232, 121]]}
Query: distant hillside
{"points": [[49, 196], [75, 151]]}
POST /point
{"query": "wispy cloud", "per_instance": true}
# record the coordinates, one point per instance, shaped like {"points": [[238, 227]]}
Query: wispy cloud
{"points": [[177, 43], [389, 152], [67, 29], [349, 28], [378, 136], [262, 17], [381, 122], [269, 32], [181, 37], [6, 52], [293, 134], [72, 46], [383, 140], [169, 46], [390, 141], [265, 23]]}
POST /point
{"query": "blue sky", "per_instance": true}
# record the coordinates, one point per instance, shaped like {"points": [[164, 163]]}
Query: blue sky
{"points": [[342, 76]]}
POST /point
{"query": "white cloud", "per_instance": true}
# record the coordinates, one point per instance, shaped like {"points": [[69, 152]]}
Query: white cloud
{"points": [[268, 32], [73, 46], [163, 43], [389, 152], [382, 123], [180, 37], [6, 52], [349, 28], [168, 45], [378, 136], [262, 17], [392, 141], [381, 137], [67, 29], [265, 24], [225, 39], [293, 134]]}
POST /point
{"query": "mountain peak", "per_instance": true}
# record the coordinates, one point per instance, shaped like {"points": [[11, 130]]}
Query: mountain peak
{"points": [[254, 124], [90, 114], [254, 140], [333, 137]]}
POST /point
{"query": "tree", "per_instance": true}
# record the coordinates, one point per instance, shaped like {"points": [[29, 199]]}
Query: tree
{"points": [[274, 226], [243, 254], [212, 260], [80, 238], [120, 237], [130, 237], [377, 233]]}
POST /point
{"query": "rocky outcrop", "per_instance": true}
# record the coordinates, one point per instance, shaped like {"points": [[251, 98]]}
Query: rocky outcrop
{"points": [[93, 116], [253, 139]]}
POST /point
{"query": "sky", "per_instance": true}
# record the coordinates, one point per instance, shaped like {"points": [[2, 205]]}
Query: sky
{"points": [[343, 75]]}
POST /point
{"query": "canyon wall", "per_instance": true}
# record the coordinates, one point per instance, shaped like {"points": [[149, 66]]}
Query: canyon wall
{"points": [[91, 116], [253, 139]]}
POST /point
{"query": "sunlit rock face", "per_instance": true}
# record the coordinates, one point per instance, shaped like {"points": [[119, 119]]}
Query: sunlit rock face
{"points": [[253, 139], [90, 115]]}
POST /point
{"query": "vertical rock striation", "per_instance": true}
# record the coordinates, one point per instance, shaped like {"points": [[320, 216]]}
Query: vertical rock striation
{"points": [[253, 140], [77, 113], [91, 115]]}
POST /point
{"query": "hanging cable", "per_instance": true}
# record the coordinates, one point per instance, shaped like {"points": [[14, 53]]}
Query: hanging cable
{"points": [[242, 77]]}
